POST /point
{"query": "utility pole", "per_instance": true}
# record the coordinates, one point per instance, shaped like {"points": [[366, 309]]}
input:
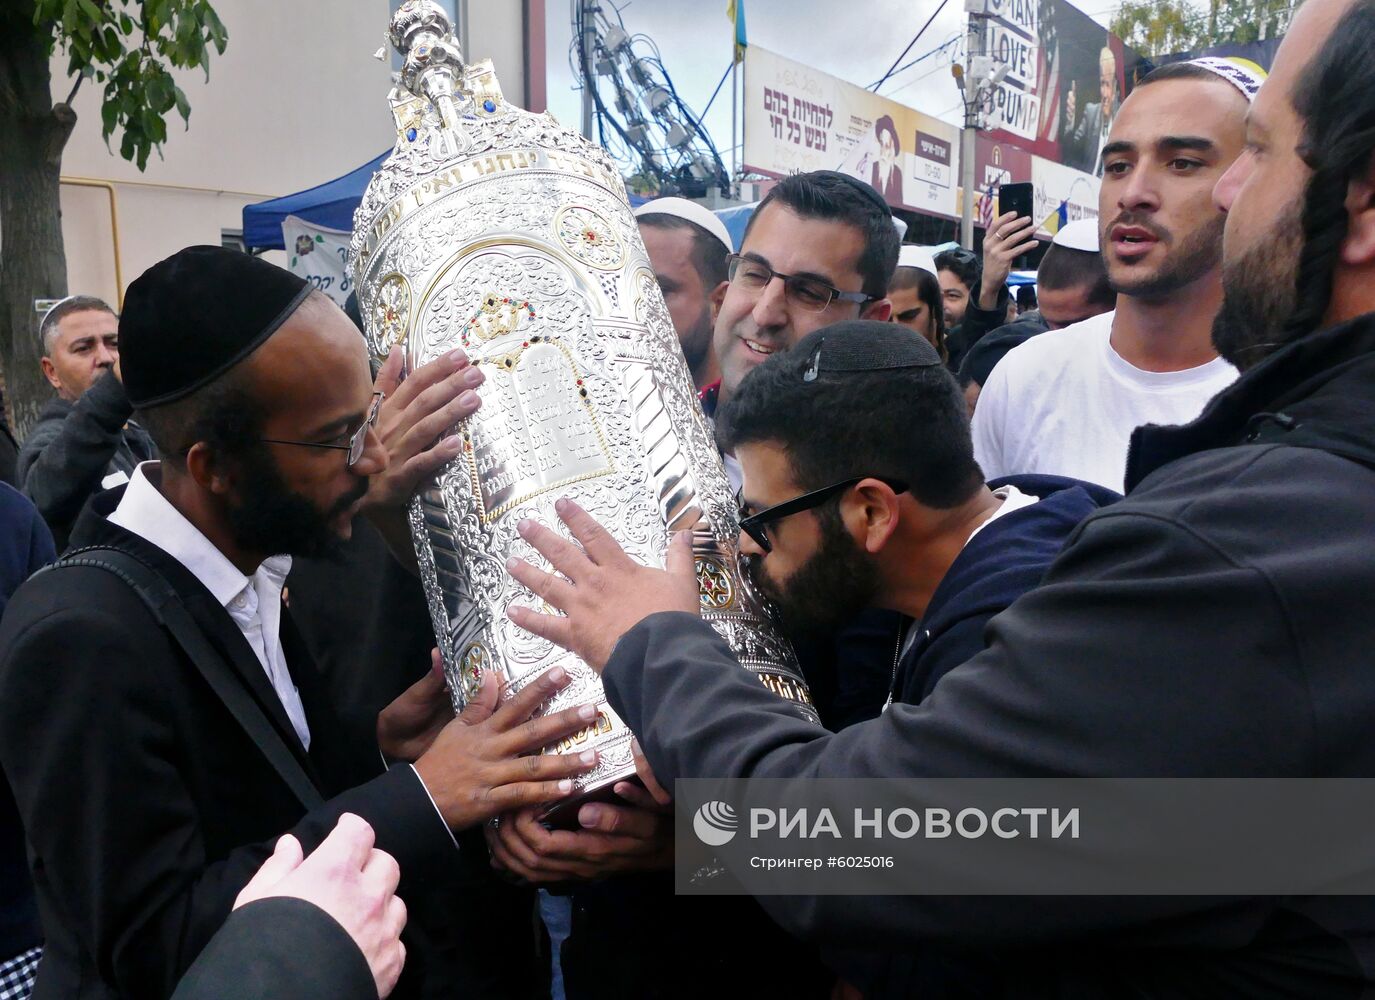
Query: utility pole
{"points": [[735, 142], [972, 86], [589, 48]]}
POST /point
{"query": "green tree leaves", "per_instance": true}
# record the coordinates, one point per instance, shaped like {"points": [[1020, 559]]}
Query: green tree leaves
{"points": [[1162, 27], [131, 46]]}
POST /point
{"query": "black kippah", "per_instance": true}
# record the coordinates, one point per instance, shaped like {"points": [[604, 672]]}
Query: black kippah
{"points": [[863, 345], [991, 348], [190, 318]]}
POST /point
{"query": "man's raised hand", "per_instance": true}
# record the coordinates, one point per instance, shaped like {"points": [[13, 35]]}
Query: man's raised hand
{"points": [[414, 420], [350, 880], [602, 592], [1007, 239]]}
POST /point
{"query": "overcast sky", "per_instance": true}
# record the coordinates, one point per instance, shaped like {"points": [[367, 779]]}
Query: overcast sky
{"points": [[856, 40]]}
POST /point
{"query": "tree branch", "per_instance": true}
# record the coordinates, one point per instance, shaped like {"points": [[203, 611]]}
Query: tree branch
{"points": [[60, 130]]}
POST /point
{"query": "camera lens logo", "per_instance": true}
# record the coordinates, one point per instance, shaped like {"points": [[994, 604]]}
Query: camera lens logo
{"points": [[715, 824]]}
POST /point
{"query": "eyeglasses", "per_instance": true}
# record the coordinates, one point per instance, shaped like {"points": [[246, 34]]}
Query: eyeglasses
{"points": [[811, 294], [756, 525], [357, 440]]}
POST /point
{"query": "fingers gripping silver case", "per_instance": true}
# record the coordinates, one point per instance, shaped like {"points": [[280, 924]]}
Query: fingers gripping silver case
{"points": [[498, 231]]}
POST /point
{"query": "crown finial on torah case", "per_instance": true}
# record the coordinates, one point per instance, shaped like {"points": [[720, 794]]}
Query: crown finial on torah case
{"points": [[500, 232]]}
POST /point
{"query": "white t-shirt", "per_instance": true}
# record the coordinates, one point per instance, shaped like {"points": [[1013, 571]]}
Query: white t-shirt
{"points": [[1065, 403]]}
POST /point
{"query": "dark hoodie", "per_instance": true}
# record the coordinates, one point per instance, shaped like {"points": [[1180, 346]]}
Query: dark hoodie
{"points": [[998, 565], [1004, 560]]}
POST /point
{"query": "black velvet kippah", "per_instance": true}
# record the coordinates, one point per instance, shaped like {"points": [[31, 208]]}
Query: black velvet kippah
{"points": [[991, 348], [863, 345], [190, 318]]}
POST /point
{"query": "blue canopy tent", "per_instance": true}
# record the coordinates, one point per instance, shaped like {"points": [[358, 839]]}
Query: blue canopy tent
{"points": [[330, 205], [736, 219]]}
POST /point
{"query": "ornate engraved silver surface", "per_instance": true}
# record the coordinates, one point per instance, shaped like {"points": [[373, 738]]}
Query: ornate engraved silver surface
{"points": [[499, 231]]}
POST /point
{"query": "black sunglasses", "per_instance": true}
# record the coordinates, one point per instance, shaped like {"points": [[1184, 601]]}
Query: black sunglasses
{"points": [[756, 525]]}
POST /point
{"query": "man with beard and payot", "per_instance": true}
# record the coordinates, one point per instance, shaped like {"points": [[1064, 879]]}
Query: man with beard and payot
{"points": [[1210, 624], [915, 293], [688, 247], [886, 177], [161, 722], [1066, 405]]}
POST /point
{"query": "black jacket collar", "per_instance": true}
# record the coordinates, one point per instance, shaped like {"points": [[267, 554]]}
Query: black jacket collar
{"points": [[93, 527], [1317, 392]]}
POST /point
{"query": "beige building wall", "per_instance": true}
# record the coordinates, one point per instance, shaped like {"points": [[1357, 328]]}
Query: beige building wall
{"points": [[296, 99]]}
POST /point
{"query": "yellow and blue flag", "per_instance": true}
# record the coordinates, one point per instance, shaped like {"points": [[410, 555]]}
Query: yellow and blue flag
{"points": [[735, 10], [1056, 219]]}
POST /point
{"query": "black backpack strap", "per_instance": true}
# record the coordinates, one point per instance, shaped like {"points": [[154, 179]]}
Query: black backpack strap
{"points": [[167, 607]]}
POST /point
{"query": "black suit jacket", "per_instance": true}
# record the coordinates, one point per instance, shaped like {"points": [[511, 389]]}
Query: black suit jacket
{"points": [[277, 948], [147, 807]]}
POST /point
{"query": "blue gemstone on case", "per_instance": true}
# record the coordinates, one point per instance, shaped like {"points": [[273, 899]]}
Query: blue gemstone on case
{"points": [[489, 105], [410, 135]]}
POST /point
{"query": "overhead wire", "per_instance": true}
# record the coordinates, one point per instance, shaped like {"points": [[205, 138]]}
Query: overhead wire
{"points": [[915, 80], [922, 30], [957, 39], [719, 84]]}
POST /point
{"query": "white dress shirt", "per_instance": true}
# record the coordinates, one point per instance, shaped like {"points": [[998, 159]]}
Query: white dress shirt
{"points": [[253, 602]]}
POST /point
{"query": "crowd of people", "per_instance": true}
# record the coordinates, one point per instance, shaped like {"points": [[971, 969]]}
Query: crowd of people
{"points": [[1114, 533]]}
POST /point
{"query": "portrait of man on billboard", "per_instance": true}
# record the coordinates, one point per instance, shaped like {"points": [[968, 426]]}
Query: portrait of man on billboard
{"points": [[886, 176]]}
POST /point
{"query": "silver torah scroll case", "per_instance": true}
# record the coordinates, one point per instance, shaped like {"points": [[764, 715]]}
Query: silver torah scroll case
{"points": [[501, 232]]}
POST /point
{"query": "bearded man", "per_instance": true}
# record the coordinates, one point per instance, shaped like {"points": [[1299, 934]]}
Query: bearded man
{"points": [[161, 721]]}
